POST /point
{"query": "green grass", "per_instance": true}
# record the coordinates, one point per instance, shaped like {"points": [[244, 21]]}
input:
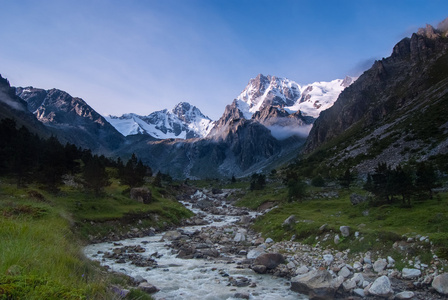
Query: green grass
{"points": [[42, 235], [382, 226]]}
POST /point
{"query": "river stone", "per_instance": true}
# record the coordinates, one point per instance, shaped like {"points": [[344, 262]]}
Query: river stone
{"points": [[328, 258], [358, 278], [269, 240], [379, 265], [141, 194], [302, 270], [258, 241], [405, 295], [440, 283], [345, 231], [359, 293], [139, 279], [203, 204], [317, 284], [245, 219], [344, 272], [260, 269], [172, 235], [349, 285], [290, 221], [254, 253], [242, 296], [122, 293], [269, 260], [381, 287], [147, 288], [239, 237], [410, 273]]}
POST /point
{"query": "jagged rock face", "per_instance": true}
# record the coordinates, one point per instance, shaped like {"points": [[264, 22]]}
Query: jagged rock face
{"points": [[264, 91], [415, 68], [13, 107], [311, 99], [235, 146], [71, 118], [56, 106]]}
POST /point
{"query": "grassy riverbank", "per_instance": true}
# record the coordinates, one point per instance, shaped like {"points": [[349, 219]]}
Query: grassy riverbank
{"points": [[378, 226], [42, 235]]}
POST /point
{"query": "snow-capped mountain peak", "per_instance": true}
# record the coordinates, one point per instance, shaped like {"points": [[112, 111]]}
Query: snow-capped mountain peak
{"points": [[269, 90], [184, 121]]}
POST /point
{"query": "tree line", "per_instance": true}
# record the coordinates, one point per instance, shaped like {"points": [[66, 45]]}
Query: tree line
{"points": [[28, 158], [388, 184]]}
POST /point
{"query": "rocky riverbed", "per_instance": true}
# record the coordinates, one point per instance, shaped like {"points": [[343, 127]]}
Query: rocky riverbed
{"points": [[216, 255]]}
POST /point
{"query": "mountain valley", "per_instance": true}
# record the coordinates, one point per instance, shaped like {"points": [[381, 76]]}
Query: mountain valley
{"points": [[331, 190]]}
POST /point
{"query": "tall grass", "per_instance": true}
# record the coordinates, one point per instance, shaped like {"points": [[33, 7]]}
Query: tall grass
{"points": [[41, 252]]}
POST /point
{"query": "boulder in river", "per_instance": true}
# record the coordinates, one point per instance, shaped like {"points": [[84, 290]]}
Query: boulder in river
{"points": [[172, 235], [147, 288], [269, 260]]}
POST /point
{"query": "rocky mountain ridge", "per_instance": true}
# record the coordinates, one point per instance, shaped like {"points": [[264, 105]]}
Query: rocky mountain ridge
{"points": [[71, 119], [394, 112], [186, 121]]}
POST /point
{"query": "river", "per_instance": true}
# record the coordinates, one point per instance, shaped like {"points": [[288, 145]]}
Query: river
{"points": [[222, 277]]}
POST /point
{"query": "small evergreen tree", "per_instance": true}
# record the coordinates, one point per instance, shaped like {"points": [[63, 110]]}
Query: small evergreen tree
{"points": [[318, 181], [258, 182], [95, 175], [296, 190], [133, 172], [346, 180], [426, 178]]}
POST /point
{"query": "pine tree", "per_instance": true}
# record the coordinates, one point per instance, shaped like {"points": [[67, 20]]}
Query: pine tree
{"points": [[426, 178], [95, 175]]}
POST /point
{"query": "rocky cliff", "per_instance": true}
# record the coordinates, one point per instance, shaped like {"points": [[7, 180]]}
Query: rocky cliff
{"points": [[394, 111]]}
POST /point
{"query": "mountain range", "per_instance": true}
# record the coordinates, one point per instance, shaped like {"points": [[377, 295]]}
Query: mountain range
{"points": [[270, 119], [395, 111]]}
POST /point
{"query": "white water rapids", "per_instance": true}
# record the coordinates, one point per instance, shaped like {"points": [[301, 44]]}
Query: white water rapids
{"points": [[203, 279]]}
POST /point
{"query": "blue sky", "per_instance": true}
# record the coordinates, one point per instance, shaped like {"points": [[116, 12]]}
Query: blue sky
{"points": [[143, 56]]}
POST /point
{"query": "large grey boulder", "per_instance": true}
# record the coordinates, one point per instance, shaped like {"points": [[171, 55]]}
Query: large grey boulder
{"points": [[317, 284], [141, 194], [381, 287], [269, 260], [440, 283]]}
